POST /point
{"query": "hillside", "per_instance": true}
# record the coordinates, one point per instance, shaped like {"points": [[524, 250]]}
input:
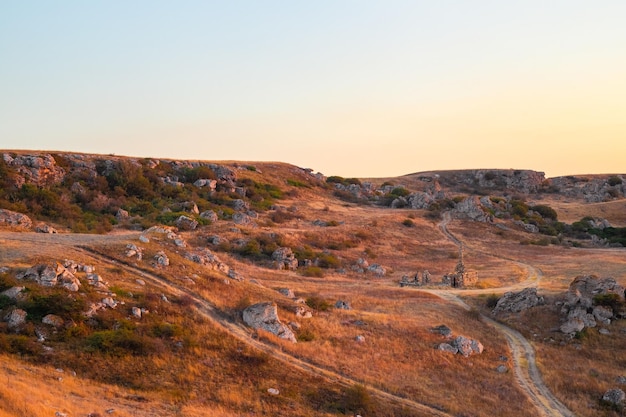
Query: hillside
{"points": [[165, 287]]}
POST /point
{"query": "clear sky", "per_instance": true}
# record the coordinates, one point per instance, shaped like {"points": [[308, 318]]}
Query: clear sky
{"points": [[352, 88]]}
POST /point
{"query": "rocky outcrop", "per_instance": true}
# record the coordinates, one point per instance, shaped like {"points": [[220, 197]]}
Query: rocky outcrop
{"points": [[15, 219], [463, 346], [50, 276], [471, 208], [582, 307], [39, 169], [592, 189], [514, 302], [284, 258], [264, 316], [208, 259]]}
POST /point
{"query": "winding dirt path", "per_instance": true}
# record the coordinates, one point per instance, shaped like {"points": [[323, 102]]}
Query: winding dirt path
{"points": [[82, 243], [524, 361]]}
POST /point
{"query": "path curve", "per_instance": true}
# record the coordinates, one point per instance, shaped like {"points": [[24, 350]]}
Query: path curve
{"points": [[526, 372]]}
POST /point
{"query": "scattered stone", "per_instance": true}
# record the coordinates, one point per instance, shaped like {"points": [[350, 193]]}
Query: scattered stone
{"points": [[140, 282], [615, 397], [161, 259], [446, 347], [621, 379], [342, 305], [144, 239], [572, 326], [242, 219], [273, 391], [186, 223], [360, 339], [134, 250], [209, 215], [443, 330], [516, 302], [15, 318], [303, 312], [122, 215], [287, 292], [501, 369], [136, 312], [284, 258], [265, 316], [14, 293], [109, 302], [605, 332], [53, 320], [44, 228], [377, 270]]}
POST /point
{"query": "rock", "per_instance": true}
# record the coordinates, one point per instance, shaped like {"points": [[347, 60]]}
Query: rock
{"points": [[572, 326], [294, 325], [232, 274], [603, 314], [44, 228], [15, 318], [580, 313], [161, 259], [287, 292], [518, 301], [303, 312], [614, 397], [210, 215], [621, 379], [12, 218], [53, 320], [133, 250], [264, 316], [466, 346], [241, 218], [605, 332], [471, 208], [14, 293], [273, 391], [377, 270], [205, 182], [96, 281], [109, 302], [342, 305], [240, 205], [360, 339], [186, 223], [191, 207], [136, 312], [501, 369], [144, 239], [284, 258], [122, 215], [443, 330], [445, 347]]}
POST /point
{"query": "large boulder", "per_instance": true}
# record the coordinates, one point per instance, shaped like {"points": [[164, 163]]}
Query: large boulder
{"points": [[186, 223], [264, 316], [515, 302], [615, 397], [15, 219], [15, 318], [284, 258]]}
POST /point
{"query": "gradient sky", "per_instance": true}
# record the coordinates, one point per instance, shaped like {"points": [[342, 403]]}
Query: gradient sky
{"points": [[352, 88]]}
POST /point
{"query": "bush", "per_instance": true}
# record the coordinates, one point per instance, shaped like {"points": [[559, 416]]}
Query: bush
{"points": [[492, 301], [408, 223], [306, 336], [318, 303], [614, 180], [313, 271], [357, 400], [400, 192]]}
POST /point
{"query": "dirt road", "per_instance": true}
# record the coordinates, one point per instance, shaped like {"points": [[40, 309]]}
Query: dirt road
{"points": [[526, 371]]}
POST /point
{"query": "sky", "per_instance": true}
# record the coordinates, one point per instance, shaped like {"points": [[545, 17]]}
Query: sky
{"points": [[355, 88]]}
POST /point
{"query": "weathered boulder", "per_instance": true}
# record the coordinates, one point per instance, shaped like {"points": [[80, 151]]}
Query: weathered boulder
{"points": [[446, 347], [264, 316], [53, 320], [472, 209], [377, 270], [284, 258], [462, 345], [287, 292], [15, 318], [186, 223], [122, 215], [515, 302], [572, 326], [133, 250], [342, 305], [44, 228], [603, 314], [302, 312], [210, 215], [208, 259], [240, 205], [13, 293], [161, 259], [615, 397], [241, 219], [15, 219]]}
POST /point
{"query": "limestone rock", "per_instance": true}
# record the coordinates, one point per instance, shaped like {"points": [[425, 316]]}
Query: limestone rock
{"points": [[443, 330], [53, 320], [284, 258], [572, 326], [303, 312], [360, 338], [446, 347], [287, 292], [209, 215], [265, 316], [518, 301], [615, 397], [13, 293], [342, 305], [122, 215], [13, 218], [186, 223], [136, 312], [161, 259], [471, 208], [15, 318], [377, 270], [133, 250], [241, 219], [44, 228]]}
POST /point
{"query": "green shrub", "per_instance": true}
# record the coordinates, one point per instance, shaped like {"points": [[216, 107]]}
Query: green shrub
{"points": [[408, 223], [400, 192], [614, 180], [492, 301], [306, 336], [357, 400], [318, 303], [312, 271]]}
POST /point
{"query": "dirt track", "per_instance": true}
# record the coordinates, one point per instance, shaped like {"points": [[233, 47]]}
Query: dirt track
{"points": [[526, 371]]}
